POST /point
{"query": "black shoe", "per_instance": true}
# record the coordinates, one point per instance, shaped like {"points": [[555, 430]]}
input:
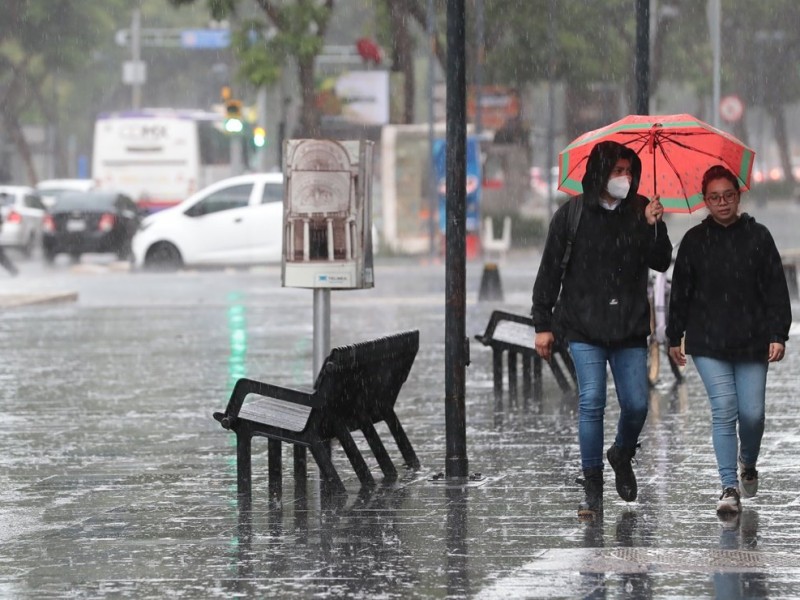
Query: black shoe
{"points": [[592, 505], [620, 461]]}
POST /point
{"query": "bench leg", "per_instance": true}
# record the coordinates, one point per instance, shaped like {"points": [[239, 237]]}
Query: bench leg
{"points": [[379, 450], [401, 439], [537, 378], [274, 468], [300, 471], [354, 455], [326, 468], [497, 373], [512, 377], [243, 463], [526, 379]]}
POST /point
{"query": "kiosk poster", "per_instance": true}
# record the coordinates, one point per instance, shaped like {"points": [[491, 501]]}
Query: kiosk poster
{"points": [[327, 216], [473, 215]]}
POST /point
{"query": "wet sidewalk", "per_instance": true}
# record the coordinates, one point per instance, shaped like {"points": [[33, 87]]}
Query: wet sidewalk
{"points": [[116, 481]]}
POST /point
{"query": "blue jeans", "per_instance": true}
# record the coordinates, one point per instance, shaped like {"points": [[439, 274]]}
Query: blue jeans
{"points": [[736, 392], [629, 368]]}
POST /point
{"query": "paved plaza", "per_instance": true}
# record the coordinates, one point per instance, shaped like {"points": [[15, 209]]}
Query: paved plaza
{"points": [[116, 481]]}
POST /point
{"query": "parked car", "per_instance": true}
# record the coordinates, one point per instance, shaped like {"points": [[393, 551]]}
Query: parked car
{"points": [[94, 221], [51, 189], [22, 212], [236, 221]]}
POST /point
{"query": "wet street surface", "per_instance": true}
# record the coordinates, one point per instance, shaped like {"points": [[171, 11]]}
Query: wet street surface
{"points": [[117, 482]]}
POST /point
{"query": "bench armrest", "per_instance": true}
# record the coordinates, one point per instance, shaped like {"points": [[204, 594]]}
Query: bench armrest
{"points": [[246, 386]]}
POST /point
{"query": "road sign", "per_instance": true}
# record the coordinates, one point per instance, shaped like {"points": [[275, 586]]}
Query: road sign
{"points": [[731, 108], [205, 38]]}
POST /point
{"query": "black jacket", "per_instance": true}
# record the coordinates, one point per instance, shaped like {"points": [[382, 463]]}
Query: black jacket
{"points": [[729, 293], [603, 296]]}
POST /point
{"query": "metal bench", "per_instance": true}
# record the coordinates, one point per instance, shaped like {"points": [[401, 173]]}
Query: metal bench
{"points": [[357, 387], [514, 335], [790, 259]]}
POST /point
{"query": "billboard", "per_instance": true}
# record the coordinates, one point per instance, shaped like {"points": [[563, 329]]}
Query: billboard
{"points": [[473, 214]]}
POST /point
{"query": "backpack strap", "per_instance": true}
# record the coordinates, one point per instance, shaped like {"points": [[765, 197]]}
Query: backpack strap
{"points": [[573, 219]]}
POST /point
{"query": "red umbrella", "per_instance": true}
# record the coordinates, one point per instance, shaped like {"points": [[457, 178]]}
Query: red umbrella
{"points": [[675, 151]]}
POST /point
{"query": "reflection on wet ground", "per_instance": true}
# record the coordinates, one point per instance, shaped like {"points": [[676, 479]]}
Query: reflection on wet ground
{"points": [[117, 482]]}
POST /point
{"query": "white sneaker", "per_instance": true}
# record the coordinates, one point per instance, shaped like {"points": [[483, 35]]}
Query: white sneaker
{"points": [[729, 501], [748, 479]]}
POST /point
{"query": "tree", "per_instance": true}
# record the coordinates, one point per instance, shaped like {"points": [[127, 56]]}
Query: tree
{"points": [[43, 44], [292, 28]]}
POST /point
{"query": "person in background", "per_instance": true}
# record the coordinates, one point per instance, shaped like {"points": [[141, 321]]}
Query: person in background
{"points": [[599, 306], [730, 299]]}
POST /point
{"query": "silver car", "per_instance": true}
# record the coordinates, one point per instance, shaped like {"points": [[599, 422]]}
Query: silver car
{"points": [[22, 212]]}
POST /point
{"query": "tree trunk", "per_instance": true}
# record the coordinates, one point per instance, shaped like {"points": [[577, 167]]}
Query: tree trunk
{"points": [[402, 55], [15, 131], [309, 116]]}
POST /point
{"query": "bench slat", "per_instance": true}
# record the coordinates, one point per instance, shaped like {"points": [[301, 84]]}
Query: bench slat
{"points": [[277, 413]]}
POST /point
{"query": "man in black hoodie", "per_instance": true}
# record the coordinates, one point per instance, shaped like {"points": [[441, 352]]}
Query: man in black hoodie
{"points": [[599, 306]]}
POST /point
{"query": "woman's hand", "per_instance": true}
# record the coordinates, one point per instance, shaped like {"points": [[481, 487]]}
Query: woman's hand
{"points": [[776, 351], [654, 210], [677, 356], [544, 344]]}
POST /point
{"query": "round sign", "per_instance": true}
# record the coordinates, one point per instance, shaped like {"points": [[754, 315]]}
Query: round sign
{"points": [[731, 108]]}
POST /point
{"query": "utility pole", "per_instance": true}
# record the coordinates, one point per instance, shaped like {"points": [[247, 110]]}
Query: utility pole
{"points": [[136, 57], [642, 57], [431, 31]]}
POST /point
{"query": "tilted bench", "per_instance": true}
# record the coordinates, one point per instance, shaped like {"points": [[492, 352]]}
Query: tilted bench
{"points": [[514, 335], [357, 387]]}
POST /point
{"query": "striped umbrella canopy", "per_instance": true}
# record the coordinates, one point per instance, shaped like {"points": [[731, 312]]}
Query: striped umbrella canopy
{"points": [[675, 151]]}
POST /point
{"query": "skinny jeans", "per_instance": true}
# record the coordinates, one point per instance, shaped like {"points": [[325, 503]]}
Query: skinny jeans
{"points": [[629, 369], [736, 392]]}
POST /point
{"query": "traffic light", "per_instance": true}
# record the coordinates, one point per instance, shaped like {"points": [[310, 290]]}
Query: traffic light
{"points": [[259, 137], [233, 116]]}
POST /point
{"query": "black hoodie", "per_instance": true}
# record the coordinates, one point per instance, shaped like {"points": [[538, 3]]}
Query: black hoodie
{"points": [[729, 293], [603, 295]]}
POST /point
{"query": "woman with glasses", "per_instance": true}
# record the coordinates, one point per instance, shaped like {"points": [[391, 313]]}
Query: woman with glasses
{"points": [[730, 299]]}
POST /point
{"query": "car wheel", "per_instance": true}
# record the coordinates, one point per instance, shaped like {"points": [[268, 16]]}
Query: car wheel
{"points": [[163, 256]]}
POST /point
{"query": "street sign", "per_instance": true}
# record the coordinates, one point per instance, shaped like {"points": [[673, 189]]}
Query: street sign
{"points": [[205, 38], [731, 108]]}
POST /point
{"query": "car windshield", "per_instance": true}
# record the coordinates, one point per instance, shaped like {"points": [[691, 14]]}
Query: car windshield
{"points": [[81, 201]]}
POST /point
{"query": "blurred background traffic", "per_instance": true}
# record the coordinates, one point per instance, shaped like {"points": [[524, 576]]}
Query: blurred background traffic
{"points": [[119, 109]]}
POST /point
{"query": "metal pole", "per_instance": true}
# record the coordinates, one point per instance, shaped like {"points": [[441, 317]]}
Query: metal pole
{"points": [[136, 56], [479, 27], [642, 57], [714, 10], [431, 27], [261, 106], [237, 158], [322, 327], [551, 106], [456, 343]]}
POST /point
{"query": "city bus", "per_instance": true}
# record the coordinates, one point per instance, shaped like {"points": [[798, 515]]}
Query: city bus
{"points": [[160, 157]]}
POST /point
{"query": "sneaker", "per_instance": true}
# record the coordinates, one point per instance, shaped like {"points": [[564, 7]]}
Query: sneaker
{"points": [[592, 505], [729, 501], [748, 478], [620, 461]]}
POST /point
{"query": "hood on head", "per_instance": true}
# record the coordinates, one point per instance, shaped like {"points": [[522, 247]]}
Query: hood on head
{"points": [[601, 160]]}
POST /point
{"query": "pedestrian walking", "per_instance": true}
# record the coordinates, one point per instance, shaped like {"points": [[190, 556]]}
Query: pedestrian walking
{"points": [[5, 261], [591, 293], [730, 299]]}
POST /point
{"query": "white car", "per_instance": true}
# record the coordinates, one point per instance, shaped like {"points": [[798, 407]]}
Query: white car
{"points": [[51, 189], [236, 221], [22, 212]]}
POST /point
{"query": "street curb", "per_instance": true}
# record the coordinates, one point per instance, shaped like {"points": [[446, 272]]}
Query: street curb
{"points": [[18, 300]]}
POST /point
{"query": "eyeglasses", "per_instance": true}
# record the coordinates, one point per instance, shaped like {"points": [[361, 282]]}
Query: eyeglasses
{"points": [[729, 196]]}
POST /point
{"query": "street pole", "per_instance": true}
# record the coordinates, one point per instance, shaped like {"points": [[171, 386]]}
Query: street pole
{"points": [[136, 56], [642, 57], [479, 27], [456, 342], [714, 10], [431, 30], [551, 106]]}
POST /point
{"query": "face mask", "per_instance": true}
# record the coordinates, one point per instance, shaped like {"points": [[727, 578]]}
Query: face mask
{"points": [[618, 187]]}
